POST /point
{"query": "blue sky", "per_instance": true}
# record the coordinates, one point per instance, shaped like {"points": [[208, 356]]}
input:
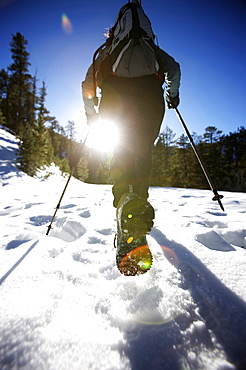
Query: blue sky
{"points": [[207, 38]]}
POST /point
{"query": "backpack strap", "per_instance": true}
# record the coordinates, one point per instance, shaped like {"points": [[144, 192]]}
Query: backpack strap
{"points": [[135, 34], [108, 42], [95, 98]]}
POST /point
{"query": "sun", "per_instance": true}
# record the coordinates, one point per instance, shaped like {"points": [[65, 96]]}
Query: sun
{"points": [[103, 136]]}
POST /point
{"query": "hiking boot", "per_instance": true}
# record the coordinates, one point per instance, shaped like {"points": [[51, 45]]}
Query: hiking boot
{"points": [[134, 220]]}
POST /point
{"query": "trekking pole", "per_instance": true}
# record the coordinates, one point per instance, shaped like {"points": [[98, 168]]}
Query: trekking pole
{"points": [[216, 197], [65, 188]]}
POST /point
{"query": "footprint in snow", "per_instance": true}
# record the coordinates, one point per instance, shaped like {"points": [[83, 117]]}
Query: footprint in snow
{"points": [[219, 224], [79, 257], [69, 232], [27, 206], [85, 214], [105, 231], [95, 240], [213, 240], [54, 252], [39, 220], [15, 244], [217, 213], [68, 206], [235, 237]]}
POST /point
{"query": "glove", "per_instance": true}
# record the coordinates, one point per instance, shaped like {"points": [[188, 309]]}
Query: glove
{"points": [[92, 118], [172, 102]]}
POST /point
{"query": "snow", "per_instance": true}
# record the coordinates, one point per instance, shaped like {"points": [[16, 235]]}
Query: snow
{"points": [[64, 304]]}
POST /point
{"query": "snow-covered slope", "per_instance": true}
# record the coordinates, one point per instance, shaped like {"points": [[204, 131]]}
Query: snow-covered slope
{"points": [[64, 304]]}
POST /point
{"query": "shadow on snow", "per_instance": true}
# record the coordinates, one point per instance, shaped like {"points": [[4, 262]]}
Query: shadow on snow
{"points": [[168, 346]]}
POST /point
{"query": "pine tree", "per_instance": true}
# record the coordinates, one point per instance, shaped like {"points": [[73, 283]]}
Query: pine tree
{"points": [[41, 104], [32, 102], [180, 163], [71, 131], [2, 118], [27, 153], [211, 152], [64, 165], [212, 134], [71, 150], [35, 149], [4, 87], [19, 88], [44, 147], [234, 149], [56, 139], [82, 169], [161, 170], [51, 123]]}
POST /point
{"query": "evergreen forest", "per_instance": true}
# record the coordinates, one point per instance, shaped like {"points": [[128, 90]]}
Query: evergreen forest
{"points": [[42, 140]]}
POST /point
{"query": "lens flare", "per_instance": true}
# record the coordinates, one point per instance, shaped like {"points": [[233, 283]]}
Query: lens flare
{"points": [[170, 255], [103, 136], [136, 262], [66, 24], [145, 264]]}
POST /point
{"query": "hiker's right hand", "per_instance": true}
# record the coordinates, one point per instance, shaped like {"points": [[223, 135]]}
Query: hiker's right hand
{"points": [[172, 102], [92, 118]]}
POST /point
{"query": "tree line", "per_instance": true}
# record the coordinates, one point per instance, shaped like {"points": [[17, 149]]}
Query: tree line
{"points": [[43, 141], [175, 164]]}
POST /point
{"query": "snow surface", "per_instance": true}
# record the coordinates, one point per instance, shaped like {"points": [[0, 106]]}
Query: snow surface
{"points": [[64, 304]]}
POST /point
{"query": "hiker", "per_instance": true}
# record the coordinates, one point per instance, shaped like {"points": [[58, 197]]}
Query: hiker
{"points": [[132, 97]]}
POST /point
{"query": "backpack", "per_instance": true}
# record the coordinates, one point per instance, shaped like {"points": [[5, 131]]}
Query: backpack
{"points": [[131, 48]]}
